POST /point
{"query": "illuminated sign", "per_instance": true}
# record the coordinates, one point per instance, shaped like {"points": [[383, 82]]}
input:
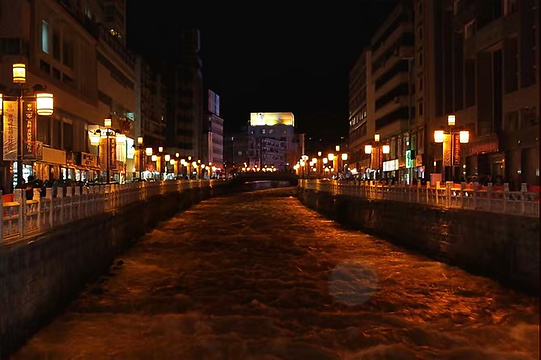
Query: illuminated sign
{"points": [[266, 119], [213, 103]]}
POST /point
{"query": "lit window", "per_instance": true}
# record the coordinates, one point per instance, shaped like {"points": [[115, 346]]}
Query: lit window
{"points": [[45, 37]]}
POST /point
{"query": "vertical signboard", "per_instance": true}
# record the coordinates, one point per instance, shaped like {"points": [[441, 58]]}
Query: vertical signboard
{"points": [[29, 130], [108, 152], [456, 150], [11, 111], [446, 150]]}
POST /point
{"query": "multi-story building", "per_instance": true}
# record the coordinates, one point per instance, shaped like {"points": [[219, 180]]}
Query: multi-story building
{"points": [[89, 73], [150, 104], [184, 129], [280, 126], [236, 152], [491, 82], [361, 109], [391, 73], [213, 133], [214, 141], [477, 60]]}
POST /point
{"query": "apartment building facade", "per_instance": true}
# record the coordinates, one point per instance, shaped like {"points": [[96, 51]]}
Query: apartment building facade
{"points": [[477, 60], [91, 75]]}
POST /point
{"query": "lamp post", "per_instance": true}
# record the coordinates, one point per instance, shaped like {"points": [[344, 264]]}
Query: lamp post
{"points": [[385, 149], [140, 148], [440, 136], [38, 102], [344, 159]]}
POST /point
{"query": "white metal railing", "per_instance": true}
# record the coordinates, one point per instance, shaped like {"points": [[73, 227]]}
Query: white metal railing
{"points": [[22, 217], [449, 195]]}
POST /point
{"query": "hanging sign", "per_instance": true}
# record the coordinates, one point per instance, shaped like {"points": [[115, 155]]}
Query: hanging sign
{"points": [[456, 150], [11, 112], [29, 130], [447, 150]]}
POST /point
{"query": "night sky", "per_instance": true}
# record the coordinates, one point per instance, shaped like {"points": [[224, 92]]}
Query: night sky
{"points": [[267, 55]]}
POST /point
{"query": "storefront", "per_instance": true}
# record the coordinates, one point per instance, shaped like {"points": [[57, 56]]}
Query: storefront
{"points": [[485, 160], [49, 167]]}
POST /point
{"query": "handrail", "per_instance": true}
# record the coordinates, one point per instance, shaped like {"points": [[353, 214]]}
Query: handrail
{"points": [[490, 198], [22, 217]]}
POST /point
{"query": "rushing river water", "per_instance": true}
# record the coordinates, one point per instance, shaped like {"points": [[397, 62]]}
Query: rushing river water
{"points": [[259, 276]]}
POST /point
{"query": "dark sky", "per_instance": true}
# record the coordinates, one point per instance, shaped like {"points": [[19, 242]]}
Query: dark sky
{"points": [[258, 56]]}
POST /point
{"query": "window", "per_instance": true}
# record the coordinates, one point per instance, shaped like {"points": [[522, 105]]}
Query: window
{"points": [[420, 7], [44, 129], [68, 134], [420, 108], [56, 45], [420, 83], [45, 37], [511, 121], [67, 53], [420, 59], [469, 29]]}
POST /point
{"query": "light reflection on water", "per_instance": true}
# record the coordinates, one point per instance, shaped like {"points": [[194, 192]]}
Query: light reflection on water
{"points": [[259, 276]]}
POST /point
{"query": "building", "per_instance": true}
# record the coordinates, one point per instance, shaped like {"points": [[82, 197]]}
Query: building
{"points": [[236, 152], [392, 48], [279, 126], [91, 75], [361, 111], [185, 99], [475, 60], [213, 133], [491, 78], [150, 95]]}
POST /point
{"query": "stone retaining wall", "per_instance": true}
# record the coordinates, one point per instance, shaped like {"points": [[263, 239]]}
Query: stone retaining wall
{"points": [[41, 275], [503, 247]]}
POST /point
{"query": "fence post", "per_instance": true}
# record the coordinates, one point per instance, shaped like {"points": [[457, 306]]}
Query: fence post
{"points": [[448, 185], [505, 196], [37, 197], [489, 195], [462, 193], [49, 196], [19, 195], [437, 192], [523, 191], [60, 195], [475, 188]]}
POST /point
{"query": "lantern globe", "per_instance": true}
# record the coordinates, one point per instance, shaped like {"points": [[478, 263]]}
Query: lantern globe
{"points": [[438, 136], [44, 103], [464, 137], [19, 73], [368, 149]]}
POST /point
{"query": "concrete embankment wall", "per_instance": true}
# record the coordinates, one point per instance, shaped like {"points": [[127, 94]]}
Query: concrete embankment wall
{"points": [[41, 275], [503, 247]]}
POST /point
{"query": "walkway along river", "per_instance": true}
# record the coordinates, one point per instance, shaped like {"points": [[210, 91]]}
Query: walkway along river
{"points": [[259, 276]]}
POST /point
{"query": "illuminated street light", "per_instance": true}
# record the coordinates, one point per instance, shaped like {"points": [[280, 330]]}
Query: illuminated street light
{"points": [[19, 73], [463, 137]]}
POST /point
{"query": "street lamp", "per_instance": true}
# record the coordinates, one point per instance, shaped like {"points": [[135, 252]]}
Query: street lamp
{"points": [[453, 140], [23, 109], [368, 148]]}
